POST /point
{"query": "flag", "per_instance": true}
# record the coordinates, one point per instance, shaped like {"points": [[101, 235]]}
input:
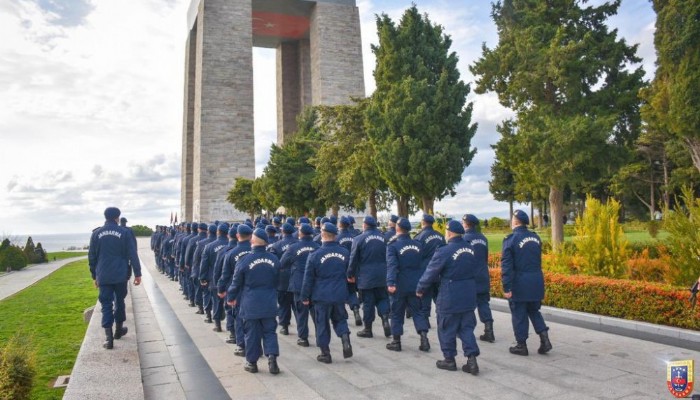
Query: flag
{"points": [[175, 217], [171, 217]]}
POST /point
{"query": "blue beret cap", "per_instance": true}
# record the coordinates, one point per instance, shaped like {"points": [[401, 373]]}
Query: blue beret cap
{"points": [[345, 221], [290, 221], [318, 220], [276, 220], [202, 226], [261, 234], [250, 225], [265, 221], [324, 220], [245, 230], [521, 216], [428, 218], [404, 224], [304, 220], [330, 228], [223, 227], [306, 229], [393, 218], [369, 220], [471, 219], [270, 228], [232, 231], [112, 213], [352, 219], [260, 225], [212, 228], [333, 219], [455, 227], [287, 228]]}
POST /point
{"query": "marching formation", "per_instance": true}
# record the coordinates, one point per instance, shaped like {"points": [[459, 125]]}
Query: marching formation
{"points": [[249, 278]]}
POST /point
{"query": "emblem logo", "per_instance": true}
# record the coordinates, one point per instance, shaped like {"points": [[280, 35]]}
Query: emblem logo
{"points": [[679, 377]]}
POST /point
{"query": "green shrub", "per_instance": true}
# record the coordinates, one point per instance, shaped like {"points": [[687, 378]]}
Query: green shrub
{"points": [[499, 223], [141, 230], [651, 302], [600, 241], [12, 257], [683, 226], [654, 248], [17, 368], [653, 228]]}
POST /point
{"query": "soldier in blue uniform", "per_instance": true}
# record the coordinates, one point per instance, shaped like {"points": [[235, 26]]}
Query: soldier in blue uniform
{"points": [[111, 252], [182, 252], [403, 260], [523, 283], [344, 238], [206, 270], [196, 265], [189, 255], [454, 266], [368, 269], [234, 319], [355, 232], [294, 260], [325, 284], [219, 310], [391, 228], [166, 251], [285, 298], [255, 280], [323, 221], [271, 233], [483, 281], [431, 240]]}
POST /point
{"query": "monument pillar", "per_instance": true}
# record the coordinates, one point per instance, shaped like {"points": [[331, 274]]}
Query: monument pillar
{"points": [[188, 126]]}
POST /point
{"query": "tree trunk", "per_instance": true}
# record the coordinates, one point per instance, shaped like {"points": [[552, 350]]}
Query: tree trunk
{"points": [[373, 204], [556, 206], [335, 209], [532, 212], [402, 204], [428, 204], [652, 199], [667, 195], [693, 145], [510, 207]]}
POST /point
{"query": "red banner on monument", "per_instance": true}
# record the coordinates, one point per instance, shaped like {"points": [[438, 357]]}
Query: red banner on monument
{"points": [[280, 25]]}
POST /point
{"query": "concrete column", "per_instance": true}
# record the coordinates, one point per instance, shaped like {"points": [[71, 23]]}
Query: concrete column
{"points": [[305, 73], [336, 54], [188, 127], [223, 126], [288, 97]]}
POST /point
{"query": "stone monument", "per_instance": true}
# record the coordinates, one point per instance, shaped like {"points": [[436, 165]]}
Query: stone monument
{"points": [[319, 61]]}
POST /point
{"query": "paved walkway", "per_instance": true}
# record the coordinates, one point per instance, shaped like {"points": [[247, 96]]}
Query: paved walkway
{"points": [[13, 282], [584, 364]]}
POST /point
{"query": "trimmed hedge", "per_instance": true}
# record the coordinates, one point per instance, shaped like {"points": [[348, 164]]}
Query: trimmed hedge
{"points": [[633, 300]]}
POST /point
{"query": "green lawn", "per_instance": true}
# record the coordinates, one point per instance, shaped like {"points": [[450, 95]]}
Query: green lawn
{"points": [[51, 312], [496, 239], [61, 255]]}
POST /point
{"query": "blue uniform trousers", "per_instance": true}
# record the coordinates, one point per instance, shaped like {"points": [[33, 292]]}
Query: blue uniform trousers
{"points": [[520, 312], [188, 285], [207, 300], [239, 326], [371, 298], [399, 302], [284, 307], [217, 304], [230, 318], [301, 315], [112, 301], [452, 325], [337, 315], [171, 268], [482, 305], [260, 337], [426, 302], [353, 301], [197, 291]]}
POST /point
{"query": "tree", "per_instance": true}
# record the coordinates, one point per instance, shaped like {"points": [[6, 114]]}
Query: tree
{"points": [[243, 198], [417, 119], [502, 184], [12, 257], [141, 230], [564, 74], [29, 249], [675, 92]]}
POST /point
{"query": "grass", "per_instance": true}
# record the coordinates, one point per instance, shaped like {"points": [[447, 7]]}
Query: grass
{"points": [[51, 312], [496, 238], [62, 255]]}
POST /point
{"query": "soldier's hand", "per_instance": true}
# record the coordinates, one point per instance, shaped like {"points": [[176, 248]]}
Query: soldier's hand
{"points": [[351, 280], [391, 289], [231, 303], [419, 294], [137, 281], [203, 282], [508, 295], [306, 302], [222, 295], [94, 281]]}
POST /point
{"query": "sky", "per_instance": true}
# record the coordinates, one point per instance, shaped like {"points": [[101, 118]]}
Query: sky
{"points": [[91, 101]]}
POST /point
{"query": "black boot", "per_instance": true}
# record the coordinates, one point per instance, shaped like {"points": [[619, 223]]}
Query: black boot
{"points": [[192, 303], [208, 320], [347, 347], [109, 339], [545, 344], [395, 344], [367, 332], [448, 364], [240, 351], [386, 325], [409, 313], [488, 332], [424, 343], [519, 349], [358, 318], [217, 326], [272, 364], [251, 367], [120, 330], [200, 309], [471, 366], [285, 330], [325, 356], [231, 338], [303, 342]]}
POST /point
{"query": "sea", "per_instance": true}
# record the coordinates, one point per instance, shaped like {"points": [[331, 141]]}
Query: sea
{"points": [[55, 242]]}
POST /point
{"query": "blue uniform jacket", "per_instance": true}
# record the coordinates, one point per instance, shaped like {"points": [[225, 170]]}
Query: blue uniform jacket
{"points": [[481, 248], [183, 249], [111, 250], [278, 249], [255, 280], [219, 262], [454, 266], [403, 262], [294, 259], [197, 257], [431, 241], [191, 247], [229, 264], [390, 233], [324, 277], [521, 265], [368, 260], [206, 266], [344, 239]]}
